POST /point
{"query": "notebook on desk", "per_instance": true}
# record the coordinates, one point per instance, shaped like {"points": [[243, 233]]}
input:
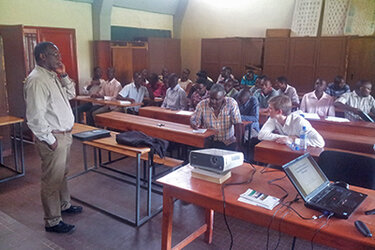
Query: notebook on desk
{"points": [[316, 190], [92, 134]]}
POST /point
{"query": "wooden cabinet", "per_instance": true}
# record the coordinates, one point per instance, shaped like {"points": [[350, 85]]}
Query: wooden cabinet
{"points": [[19, 43], [233, 52], [129, 57], [361, 60], [304, 59]]}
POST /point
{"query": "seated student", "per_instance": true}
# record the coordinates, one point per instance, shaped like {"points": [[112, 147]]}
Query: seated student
{"points": [[283, 87], [202, 77], [145, 76], [164, 75], [248, 80], [157, 86], [93, 87], [357, 101], [219, 113], [337, 87], [176, 97], [318, 101], [184, 82], [199, 94], [249, 109], [284, 127], [110, 89], [226, 72], [257, 85], [135, 92], [230, 91], [265, 93]]}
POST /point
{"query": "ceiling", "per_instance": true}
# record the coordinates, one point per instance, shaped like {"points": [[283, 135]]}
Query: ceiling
{"points": [[157, 6]]}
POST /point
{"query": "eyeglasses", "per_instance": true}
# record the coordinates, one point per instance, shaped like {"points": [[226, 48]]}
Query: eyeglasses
{"points": [[55, 54]]}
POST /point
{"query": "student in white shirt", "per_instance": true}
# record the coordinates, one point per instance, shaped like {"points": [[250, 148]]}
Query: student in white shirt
{"points": [[360, 100], [318, 101], [135, 92], [281, 84], [284, 127], [175, 98]]}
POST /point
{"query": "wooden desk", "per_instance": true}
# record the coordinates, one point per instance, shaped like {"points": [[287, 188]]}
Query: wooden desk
{"points": [[17, 145], [165, 114], [110, 144], [352, 127], [280, 154], [105, 102], [338, 233], [180, 133]]}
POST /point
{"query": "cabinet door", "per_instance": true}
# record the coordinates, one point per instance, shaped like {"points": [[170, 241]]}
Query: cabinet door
{"points": [[276, 55], [156, 57], [302, 61], [123, 63], [331, 58], [102, 56], [65, 40], [252, 52], [210, 57], [230, 55], [361, 60], [172, 55]]}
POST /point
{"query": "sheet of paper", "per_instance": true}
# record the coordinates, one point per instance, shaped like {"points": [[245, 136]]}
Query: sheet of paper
{"points": [[336, 119], [184, 112], [199, 131], [312, 116]]}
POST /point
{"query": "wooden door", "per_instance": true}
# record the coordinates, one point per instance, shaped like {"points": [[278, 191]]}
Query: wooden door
{"points": [[252, 53], [65, 40], [331, 58], [123, 63], [210, 57], [15, 69], [361, 60], [139, 59], [302, 61], [156, 57], [230, 51], [102, 56], [276, 57], [173, 55]]}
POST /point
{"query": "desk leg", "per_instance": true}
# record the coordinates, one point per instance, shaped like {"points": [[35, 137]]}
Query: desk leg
{"points": [[137, 192], [15, 149], [22, 150], [209, 219], [84, 156], [149, 183], [166, 236]]}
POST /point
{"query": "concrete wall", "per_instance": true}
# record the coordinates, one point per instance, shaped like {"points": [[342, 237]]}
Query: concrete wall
{"points": [[55, 13], [141, 19], [223, 18]]}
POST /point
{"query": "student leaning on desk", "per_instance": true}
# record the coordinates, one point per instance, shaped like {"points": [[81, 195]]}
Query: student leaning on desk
{"points": [[284, 127]]}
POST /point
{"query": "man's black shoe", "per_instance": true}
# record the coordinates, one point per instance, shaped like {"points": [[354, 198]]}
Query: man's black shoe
{"points": [[73, 210], [61, 228]]}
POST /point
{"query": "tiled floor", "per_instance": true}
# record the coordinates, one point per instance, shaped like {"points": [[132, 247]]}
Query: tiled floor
{"points": [[21, 216]]}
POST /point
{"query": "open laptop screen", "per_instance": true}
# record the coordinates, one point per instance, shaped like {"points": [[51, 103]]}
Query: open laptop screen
{"points": [[305, 173]]}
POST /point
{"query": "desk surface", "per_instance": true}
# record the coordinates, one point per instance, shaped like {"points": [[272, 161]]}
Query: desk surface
{"points": [[280, 154], [176, 132], [104, 102], [338, 233], [8, 119], [166, 114]]}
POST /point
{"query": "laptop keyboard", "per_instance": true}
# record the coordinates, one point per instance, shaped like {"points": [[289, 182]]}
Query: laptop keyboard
{"points": [[332, 197]]}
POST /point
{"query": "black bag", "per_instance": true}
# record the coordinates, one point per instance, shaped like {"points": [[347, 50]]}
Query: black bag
{"points": [[139, 139]]}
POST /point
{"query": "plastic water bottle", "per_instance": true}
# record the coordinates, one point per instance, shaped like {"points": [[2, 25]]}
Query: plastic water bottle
{"points": [[302, 137], [293, 146]]}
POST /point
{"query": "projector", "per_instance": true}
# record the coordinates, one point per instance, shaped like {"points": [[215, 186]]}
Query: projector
{"points": [[216, 160]]}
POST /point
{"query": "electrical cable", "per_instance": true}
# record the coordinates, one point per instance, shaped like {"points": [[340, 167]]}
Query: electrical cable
{"points": [[318, 230], [249, 180]]}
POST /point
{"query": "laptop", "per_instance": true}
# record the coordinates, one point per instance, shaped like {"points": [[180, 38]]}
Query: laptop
{"points": [[92, 134], [316, 190]]}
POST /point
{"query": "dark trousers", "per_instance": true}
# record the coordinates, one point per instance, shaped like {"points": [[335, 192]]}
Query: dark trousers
{"points": [[221, 145]]}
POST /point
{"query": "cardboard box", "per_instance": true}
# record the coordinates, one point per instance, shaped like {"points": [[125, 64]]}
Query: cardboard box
{"points": [[278, 33]]}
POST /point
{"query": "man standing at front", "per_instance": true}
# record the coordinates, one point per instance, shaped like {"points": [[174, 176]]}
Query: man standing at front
{"points": [[49, 116], [220, 113]]}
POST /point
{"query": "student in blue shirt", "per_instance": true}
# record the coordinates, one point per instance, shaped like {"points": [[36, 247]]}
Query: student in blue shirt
{"points": [[248, 80]]}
